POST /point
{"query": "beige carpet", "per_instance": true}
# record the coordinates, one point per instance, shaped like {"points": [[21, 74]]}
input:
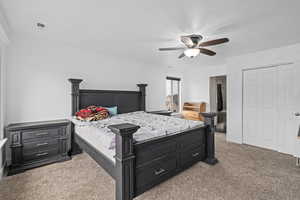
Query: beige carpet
{"points": [[244, 172]]}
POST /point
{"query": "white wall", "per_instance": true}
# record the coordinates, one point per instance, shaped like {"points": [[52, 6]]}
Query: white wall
{"points": [[235, 65], [156, 76], [37, 73], [2, 103], [197, 82], [4, 40], [2, 90]]}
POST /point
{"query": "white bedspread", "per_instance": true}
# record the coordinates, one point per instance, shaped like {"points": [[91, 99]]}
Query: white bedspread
{"points": [[152, 125]]}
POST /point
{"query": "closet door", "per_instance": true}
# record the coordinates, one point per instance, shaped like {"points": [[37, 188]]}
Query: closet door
{"points": [[260, 108], [250, 108], [271, 97], [288, 105]]}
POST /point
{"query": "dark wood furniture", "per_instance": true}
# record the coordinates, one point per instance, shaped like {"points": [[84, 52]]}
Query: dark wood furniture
{"points": [[37, 143], [192, 111], [139, 166], [161, 112]]}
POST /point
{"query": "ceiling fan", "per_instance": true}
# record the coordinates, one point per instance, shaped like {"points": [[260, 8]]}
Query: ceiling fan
{"points": [[194, 46]]}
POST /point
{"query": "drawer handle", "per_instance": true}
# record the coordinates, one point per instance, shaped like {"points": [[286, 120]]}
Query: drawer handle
{"points": [[160, 171], [40, 134], [42, 144], [195, 154], [41, 154]]}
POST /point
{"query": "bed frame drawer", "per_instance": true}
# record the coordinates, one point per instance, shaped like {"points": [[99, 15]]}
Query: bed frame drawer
{"points": [[187, 158], [155, 172], [193, 137], [146, 154]]}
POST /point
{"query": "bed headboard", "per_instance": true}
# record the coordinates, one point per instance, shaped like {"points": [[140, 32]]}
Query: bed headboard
{"points": [[127, 101]]}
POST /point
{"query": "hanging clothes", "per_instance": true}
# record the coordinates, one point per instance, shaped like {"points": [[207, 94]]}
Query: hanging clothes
{"points": [[219, 97]]}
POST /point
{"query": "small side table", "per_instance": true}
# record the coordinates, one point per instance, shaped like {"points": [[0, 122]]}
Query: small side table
{"points": [[162, 112]]}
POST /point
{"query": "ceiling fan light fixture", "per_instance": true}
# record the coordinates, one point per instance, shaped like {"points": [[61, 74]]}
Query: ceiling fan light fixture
{"points": [[191, 52]]}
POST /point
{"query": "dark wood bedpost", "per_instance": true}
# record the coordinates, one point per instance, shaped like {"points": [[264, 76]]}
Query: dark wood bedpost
{"points": [[75, 107], [209, 119], [75, 94], [124, 160], [143, 98]]}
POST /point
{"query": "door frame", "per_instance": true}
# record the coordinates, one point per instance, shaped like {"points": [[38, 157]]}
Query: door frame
{"points": [[212, 81], [211, 90]]}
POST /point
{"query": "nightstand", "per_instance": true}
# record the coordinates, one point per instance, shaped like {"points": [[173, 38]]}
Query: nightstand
{"points": [[37, 143], [162, 112]]}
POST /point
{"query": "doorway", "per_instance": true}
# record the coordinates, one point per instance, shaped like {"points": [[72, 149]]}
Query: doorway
{"points": [[218, 101]]}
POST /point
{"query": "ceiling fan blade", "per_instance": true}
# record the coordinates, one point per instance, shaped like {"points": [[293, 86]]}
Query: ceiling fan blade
{"points": [[187, 41], [207, 52], [214, 42], [171, 49], [181, 56]]}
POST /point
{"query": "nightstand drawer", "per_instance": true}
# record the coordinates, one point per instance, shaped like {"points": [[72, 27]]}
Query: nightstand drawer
{"points": [[40, 145], [42, 133], [36, 156]]}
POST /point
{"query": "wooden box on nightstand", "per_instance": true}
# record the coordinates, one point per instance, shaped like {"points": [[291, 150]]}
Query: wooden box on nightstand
{"points": [[37, 143]]}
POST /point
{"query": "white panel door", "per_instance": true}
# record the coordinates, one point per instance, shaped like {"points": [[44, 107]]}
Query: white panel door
{"points": [[260, 108], [271, 96], [250, 110], [288, 105]]}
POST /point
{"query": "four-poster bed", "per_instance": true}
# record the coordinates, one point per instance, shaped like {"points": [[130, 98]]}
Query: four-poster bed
{"points": [[140, 165]]}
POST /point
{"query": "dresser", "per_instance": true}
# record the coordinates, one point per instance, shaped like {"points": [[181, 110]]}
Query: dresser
{"points": [[37, 143], [192, 110]]}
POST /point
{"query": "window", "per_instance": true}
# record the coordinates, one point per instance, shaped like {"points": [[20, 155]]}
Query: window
{"points": [[173, 94]]}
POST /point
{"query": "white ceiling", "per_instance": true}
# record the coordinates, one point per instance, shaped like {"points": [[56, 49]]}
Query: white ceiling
{"points": [[136, 28]]}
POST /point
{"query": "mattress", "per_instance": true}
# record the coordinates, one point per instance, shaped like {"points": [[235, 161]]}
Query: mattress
{"points": [[98, 135]]}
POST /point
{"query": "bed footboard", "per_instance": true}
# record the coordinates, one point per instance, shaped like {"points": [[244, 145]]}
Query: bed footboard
{"points": [[142, 165]]}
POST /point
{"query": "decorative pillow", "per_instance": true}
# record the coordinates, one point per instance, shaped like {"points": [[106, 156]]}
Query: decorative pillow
{"points": [[112, 110], [92, 113]]}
